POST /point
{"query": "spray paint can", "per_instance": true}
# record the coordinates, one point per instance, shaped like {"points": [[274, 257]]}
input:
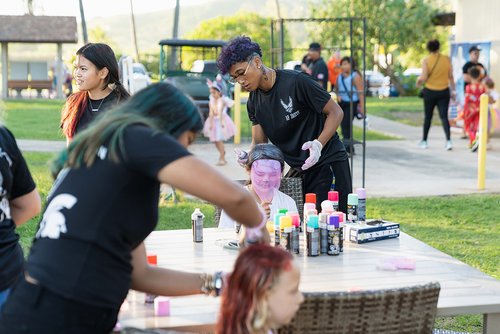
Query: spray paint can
{"points": [[295, 231], [270, 230], [352, 208], [152, 261], [323, 232], [312, 236], [361, 192], [286, 233], [277, 236], [333, 196], [333, 235], [307, 208], [197, 225], [341, 216]]}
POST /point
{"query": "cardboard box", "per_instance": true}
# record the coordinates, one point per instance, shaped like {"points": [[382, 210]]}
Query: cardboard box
{"points": [[372, 230]]}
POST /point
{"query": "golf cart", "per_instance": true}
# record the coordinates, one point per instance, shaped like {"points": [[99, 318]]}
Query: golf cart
{"points": [[200, 55]]}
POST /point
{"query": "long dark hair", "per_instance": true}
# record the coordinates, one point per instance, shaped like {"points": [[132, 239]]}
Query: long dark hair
{"points": [[102, 56], [243, 303], [160, 106]]}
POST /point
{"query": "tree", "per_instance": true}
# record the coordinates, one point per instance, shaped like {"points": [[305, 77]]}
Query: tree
{"points": [[394, 28], [242, 23]]}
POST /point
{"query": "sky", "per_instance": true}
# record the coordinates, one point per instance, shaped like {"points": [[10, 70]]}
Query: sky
{"points": [[93, 8]]}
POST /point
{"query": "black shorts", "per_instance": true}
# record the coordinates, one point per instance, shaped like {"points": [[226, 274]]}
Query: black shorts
{"points": [[319, 179], [33, 309]]}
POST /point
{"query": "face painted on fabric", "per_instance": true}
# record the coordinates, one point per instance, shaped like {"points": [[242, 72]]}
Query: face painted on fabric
{"points": [[265, 175]]}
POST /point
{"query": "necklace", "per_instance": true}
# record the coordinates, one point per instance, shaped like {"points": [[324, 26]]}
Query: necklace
{"points": [[96, 109]]}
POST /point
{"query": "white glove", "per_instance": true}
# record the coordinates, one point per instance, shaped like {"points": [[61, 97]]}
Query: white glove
{"points": [[241, 157], [314, 148]]}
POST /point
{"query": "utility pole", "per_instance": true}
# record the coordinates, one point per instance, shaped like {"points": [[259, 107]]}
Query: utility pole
{"points": [[133, 32], [84, 24], [175, 34]]}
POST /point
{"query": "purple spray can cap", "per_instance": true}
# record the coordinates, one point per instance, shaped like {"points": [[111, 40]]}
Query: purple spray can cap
{"points": [[333, 220], [361, 193]]}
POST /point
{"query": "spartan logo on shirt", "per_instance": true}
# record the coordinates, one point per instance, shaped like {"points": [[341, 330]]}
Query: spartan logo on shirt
{"points": [[5, 165], [54, 222], [289, 109]]}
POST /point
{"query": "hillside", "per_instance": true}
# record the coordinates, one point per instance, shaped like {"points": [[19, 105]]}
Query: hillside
{"points": [[152, 27]]}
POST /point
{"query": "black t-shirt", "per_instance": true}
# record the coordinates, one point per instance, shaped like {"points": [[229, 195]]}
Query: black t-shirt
{"points": [[467, 66], [320, 71], [291, 113], [15, 181], [96, 216], [102, 105]]}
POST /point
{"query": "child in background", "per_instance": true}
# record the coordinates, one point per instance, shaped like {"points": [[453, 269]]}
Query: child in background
{"points": [[473, 92], [219, 126], [262, 293]]}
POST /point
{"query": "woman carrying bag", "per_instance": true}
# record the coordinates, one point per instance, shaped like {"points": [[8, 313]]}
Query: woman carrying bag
{"points": [[437, 79]]}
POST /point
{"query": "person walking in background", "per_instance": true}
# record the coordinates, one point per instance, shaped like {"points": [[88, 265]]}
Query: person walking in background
{"points": [[319, 71], [473, 92], [89, 248], [334, 68], [474, 53], [437, 79], [493, 112], [19, 202], [349, 90], [97, 78], [219, 126], [261, 294], [265, 165], [290, 109]]}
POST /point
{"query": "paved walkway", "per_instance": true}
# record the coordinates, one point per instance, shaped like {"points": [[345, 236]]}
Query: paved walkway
{"points": [[393, 168]]}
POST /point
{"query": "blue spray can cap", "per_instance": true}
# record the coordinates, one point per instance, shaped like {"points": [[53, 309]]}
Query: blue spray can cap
{"points": [[333, 220], [313, 221]]}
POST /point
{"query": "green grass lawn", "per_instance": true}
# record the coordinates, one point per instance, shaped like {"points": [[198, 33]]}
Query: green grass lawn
{"points": [[465, 227], [404, 109], [40, 119], [34, 118]]}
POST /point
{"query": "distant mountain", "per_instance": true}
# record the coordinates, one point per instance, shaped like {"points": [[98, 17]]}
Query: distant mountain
{"points": [[152, 27]]}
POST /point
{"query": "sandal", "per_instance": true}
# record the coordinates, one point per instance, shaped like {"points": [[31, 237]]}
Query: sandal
{"points": [[221, 163]]}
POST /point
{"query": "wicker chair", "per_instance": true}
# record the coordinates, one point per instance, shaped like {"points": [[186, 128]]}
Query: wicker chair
{"points": [[405, 310], [292, 186]]}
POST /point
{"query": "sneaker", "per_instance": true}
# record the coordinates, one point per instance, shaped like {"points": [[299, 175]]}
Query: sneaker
{"points": [[475, 146], [423, 144], [448, 146]]}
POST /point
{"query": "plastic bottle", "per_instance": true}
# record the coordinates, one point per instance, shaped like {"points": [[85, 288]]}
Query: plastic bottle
{"points": [[153, 261], [286, 233], [323, 232], [352, 208], [312, 236], [361, 192], [295, 231], [333, 235], [333, 196], [197, 218]]}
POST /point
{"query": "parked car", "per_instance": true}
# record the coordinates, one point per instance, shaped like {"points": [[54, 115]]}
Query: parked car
{"points": [[141, 76], [377, 84], [293, 65]]}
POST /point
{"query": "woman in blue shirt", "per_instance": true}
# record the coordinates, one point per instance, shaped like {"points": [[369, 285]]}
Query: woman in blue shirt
{"points": [[349, 90]]}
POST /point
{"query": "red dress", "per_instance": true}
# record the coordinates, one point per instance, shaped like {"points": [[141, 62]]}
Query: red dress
{"points": [[473, 92]]}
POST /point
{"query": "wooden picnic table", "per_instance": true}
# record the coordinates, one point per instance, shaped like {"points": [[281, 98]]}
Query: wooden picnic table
{"points": [[464, 290]]}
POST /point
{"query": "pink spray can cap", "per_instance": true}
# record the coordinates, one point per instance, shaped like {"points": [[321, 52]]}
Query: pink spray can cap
{"points": [[295, 218], [333, 196]]}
